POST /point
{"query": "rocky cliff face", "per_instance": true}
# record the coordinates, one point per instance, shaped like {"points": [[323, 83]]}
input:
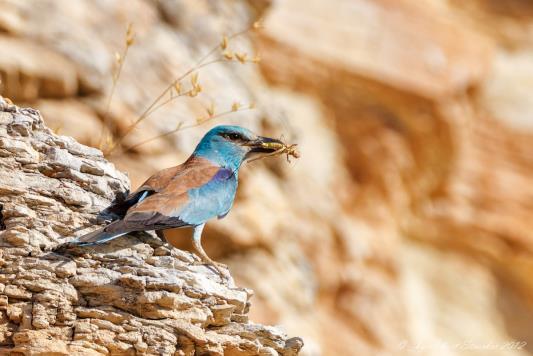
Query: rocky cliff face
{"points": [[429, 102], [135, 296], [406, 221]]}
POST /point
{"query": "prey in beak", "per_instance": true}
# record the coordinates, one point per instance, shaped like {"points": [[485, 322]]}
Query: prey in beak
{"points": [[266, 146]]}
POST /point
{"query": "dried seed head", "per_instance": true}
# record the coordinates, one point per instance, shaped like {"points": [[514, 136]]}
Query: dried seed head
{"points": [[256, 59], [228, 55], [235, 106], [194, 79], [177, 87], [224, 43], [130, 35], [241, 57], [195, 90], [211, 109], [118, 58]]}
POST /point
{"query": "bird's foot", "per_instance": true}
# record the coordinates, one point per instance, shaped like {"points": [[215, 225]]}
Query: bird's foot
{"points": [[220, 268]]}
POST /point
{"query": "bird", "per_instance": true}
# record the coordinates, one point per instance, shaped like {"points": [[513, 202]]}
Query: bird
{"points": [[188, 195]]}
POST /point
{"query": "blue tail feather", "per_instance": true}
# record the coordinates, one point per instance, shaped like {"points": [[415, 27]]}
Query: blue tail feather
{"points": [[96, 237], [98, 240]]}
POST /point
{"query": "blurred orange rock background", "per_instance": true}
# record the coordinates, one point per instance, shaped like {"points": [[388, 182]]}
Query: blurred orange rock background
{"points": [[407, 219]]}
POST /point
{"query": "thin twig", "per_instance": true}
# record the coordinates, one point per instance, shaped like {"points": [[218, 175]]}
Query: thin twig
{"points": [[121, 59], [184, 127], [174, 97]]}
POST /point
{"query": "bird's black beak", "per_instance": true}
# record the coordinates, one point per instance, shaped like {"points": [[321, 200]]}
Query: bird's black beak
{"points": [[264, 145]]}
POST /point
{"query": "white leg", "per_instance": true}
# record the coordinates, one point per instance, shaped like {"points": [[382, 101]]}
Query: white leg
{"points": [[197, 243]]}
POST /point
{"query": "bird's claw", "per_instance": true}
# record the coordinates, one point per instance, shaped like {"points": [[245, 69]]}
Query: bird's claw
{"points": [[220, 268], [216, 265]]}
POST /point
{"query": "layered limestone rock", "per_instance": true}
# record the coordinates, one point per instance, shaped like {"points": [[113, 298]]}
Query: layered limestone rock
{"points": [[135, 295]]}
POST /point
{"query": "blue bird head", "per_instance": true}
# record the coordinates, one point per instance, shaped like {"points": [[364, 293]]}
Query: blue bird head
{"points": [[228, 146]]}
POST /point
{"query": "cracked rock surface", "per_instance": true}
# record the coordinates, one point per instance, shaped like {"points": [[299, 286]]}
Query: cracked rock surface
{"points": [[132, 296]]}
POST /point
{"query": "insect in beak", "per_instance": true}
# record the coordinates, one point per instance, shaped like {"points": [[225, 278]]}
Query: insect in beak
{"points": [[272, 147]]}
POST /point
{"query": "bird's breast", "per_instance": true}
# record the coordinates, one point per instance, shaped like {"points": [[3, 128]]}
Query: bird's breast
{"points": [[212, 199]]}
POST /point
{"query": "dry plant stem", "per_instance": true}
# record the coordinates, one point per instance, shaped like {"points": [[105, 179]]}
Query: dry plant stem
{"points": [[155, 108], [183, 127], [116, 76], [154, 105]]}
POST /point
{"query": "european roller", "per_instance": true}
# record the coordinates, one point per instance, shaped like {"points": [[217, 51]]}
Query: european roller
{"points": [[188, 195]]}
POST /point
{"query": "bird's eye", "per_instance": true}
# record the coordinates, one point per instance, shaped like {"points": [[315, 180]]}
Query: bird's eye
{"points": [[233, 136]]}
